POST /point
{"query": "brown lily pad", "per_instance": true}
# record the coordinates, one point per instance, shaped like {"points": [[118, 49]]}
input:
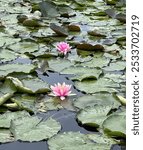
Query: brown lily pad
{"points": [[89, 47], [73, 27], [58, 30]]}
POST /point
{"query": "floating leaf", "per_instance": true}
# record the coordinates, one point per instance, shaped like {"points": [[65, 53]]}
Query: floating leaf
{"points": [[5, 136], [59, 30], [59, 64], [115, 126], [5, 119], [97, 62], [6, 91], [95, 86], [44, 104], [24, 47], [94, 116], [82, 73], [99, 98], [30, 85], [25, 102], [98, 138], [74, 141], [116, 66], [34, 129], [6, 69]]}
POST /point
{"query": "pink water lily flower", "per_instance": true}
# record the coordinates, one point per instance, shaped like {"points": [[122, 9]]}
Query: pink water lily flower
{"points": [[61, 90], [63, 47]]}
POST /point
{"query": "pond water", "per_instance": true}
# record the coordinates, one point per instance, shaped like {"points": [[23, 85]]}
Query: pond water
{"points": [[30, 62], [66, 118]]}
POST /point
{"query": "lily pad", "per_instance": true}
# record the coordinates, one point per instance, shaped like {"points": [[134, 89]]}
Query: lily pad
{"points": [[7, 55], [94, 116], [34, 129], [5, 136], [6, 69], [115, 126], [99, 98], [59, 64], [6, 118], [25, 102], [116, 66], [30, 85], [98, 138], [24, 47], [74, 141], [97, 62], [82, 72], [6, 91], [95, 86], [44, 104], [58, 29]]}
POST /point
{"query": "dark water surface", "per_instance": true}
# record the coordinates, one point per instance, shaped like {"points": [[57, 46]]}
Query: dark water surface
{"points": [[66, 118]]}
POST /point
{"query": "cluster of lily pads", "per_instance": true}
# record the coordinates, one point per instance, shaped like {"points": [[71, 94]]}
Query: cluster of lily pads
{"points": [[84, 42]]}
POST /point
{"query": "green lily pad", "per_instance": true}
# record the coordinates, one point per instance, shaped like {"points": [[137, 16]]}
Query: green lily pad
{"points": [[44, 104], [99, 98], [6, 69], [59, 64], [24, 47], [5, 119], [30, 85], [82, 73], [94, 116], [5, 136], [115, 126], [6, 91], [34, 129], [5, 40], [97, 62], [25, 102], [98, 138], [74, 141], [7, 55], [116, 66], [95, 86]]}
